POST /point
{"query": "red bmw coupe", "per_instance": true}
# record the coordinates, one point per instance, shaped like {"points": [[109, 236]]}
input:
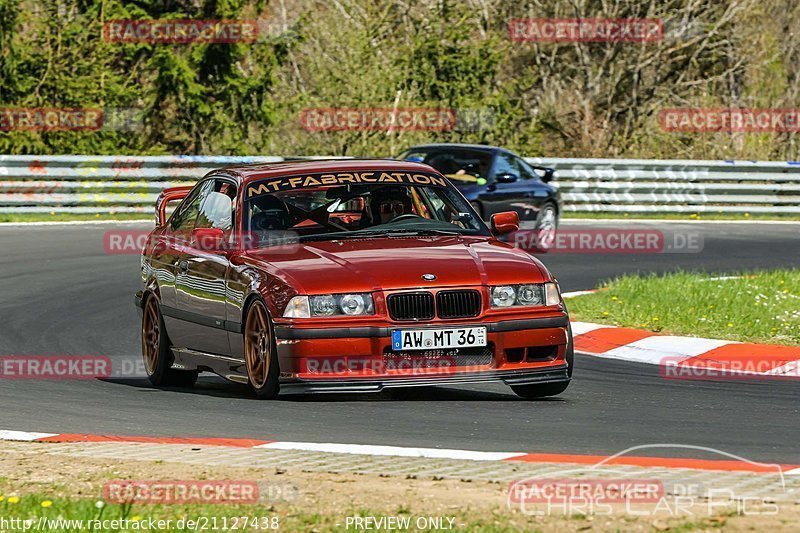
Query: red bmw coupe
{"points": [[345, 276]]}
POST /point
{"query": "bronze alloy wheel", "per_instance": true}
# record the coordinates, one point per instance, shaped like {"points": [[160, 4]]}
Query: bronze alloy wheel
{"points": [[151, 336], [156, 351], [258, 345]]}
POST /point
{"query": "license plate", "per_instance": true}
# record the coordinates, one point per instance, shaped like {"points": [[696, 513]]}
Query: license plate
{"points": [[429, 339]]}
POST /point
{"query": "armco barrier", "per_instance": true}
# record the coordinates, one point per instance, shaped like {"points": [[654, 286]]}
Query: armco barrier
{"points": [[675, 186], [122, 184], [99, 184]]}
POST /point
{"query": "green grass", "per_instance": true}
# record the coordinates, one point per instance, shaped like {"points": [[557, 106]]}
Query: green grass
{"points": [[762, 307], [68, 217], [738, 217]]}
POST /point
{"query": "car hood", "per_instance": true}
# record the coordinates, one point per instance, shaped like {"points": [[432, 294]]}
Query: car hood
{"points": [[364, 265]]}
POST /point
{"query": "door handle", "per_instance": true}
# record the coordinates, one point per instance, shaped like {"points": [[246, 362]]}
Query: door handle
{"points": [[183, 266]]}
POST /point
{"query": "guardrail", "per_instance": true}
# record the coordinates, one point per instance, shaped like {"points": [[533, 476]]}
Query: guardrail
{"points": [[124, 184], [676, 186], [99, 184]]}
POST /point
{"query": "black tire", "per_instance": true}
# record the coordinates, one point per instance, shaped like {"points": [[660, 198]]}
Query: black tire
{"points": [[260, 352], [156, 351], [544, 390]]}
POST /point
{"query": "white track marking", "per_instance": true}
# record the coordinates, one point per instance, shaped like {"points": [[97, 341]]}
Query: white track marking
{"points": [[573, 294], [8, 434], [654, 349], [579, 328], [396, 451]]}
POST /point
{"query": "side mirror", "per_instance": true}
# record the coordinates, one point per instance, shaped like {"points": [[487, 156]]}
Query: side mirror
{"points": [[208, 239], [505, 177], [505, 222]]}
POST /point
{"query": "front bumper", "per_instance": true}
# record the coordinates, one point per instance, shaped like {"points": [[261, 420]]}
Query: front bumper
{"points": [[367, 385], [138, 300], [290, 333], [361, 358]]}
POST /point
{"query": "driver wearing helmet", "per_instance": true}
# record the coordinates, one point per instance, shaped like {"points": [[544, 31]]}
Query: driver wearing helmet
{"points": [[388, 203]]}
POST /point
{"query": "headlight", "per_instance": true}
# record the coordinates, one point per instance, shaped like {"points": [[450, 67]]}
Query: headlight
{"points": [[356, 304], [324, 305], [503, 296], [330, 305], [530, 295]]}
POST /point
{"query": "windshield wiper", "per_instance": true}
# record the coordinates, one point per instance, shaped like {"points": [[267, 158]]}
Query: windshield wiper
{"points": [[323, 236], [410, 232], [365, 234]]}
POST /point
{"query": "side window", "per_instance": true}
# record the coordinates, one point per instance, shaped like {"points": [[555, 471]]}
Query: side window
{"points": [[525, 170], [217, 208], [506, 164], [183, 221]]}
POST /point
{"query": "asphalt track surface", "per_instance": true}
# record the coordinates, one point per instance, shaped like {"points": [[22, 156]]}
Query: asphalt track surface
{"points": [[60, 293]]}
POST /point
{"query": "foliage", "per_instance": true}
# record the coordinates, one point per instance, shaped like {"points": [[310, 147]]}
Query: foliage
{"points": [[554, 99]]}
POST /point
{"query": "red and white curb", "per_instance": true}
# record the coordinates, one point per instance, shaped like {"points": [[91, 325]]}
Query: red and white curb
{"points": [[399, 451], [698, 356], [701, 356]]}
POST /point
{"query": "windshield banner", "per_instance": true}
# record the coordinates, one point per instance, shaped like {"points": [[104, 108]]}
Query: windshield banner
{"points": [[344, 178]]}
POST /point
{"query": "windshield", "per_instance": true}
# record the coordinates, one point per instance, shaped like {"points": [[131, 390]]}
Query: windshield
{"points": [[456, 163], [356, 205]]}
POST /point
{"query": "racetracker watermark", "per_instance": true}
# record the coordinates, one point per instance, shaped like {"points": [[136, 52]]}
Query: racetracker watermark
{"points": [[124, 491], [123, 242], [588, 491], [331, 119], [630, 30], [55, 366], [718, 369], [607, 241], [619, 485], [730, 120], [133, 242], [181, 31], [69, 367], [434, 362], [70, 119]]}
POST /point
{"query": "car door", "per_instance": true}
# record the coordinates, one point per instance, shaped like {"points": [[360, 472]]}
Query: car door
{"points": [[201, 277], [506, 189], [171, 252], [538, 192]]}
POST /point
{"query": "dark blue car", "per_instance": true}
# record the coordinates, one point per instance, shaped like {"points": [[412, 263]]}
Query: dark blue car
{"points": [[494, 180]]}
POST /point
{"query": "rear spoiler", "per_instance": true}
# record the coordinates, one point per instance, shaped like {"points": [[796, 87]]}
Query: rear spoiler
{"points": [[171, 194]]}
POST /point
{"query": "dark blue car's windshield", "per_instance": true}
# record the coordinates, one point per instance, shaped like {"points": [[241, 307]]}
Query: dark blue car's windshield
{"points": [[458, 164]]}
